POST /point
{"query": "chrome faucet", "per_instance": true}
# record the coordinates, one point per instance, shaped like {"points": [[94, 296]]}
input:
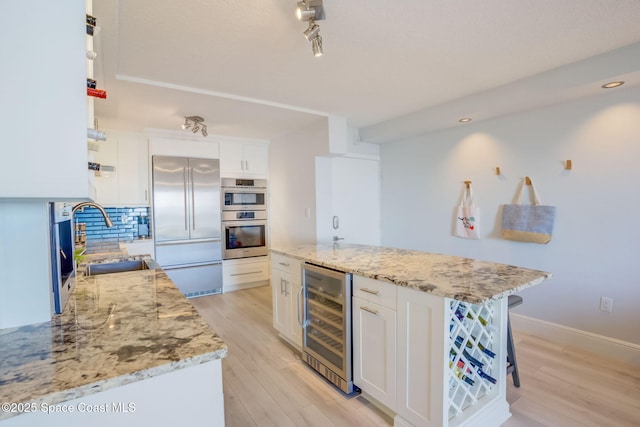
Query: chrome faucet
{"points": [[107, 220]]}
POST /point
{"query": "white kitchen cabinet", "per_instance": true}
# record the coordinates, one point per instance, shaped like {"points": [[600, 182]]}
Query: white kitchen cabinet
{"points": [[374, 339], [239, 159], [244, 273], [422, 389], [286, 283], [128, 184], [43, 125]]}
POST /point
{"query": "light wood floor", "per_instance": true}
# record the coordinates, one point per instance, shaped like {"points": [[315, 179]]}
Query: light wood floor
{"points": [[266, 383]]}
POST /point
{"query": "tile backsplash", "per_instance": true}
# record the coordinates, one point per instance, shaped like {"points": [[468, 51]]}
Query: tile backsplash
{"points": [[128, 223]]}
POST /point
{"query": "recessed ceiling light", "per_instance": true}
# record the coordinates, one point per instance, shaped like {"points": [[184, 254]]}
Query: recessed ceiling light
{"points": [[464, 120], [611, 85]]}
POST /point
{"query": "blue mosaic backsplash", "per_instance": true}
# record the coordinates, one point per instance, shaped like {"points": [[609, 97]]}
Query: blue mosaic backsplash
{"points": [[128, 223]]}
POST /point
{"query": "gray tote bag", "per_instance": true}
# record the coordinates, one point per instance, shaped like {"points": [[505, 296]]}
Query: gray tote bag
{"points": [[528, 223]]}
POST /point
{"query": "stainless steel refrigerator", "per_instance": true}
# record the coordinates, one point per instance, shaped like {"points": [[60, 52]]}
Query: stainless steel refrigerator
{"points": [[186, 221]]}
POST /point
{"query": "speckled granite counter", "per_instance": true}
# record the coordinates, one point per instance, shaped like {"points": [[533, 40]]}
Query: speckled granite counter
{"points": [[116, 329], [447, 276]]}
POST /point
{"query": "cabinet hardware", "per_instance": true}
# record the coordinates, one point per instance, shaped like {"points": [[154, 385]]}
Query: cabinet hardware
{"points": [[369, 291], [246, 163], [248, 272], [368, 310], [284, 264], [281, 286]]}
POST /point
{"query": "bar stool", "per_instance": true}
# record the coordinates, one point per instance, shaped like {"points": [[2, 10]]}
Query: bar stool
{"points": [[512, 364]]}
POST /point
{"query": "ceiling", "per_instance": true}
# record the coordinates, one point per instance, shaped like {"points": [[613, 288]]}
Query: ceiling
{"points": [[392, 68]]}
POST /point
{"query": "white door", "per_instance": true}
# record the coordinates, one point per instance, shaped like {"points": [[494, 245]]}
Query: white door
{"points": [[348, 200]]}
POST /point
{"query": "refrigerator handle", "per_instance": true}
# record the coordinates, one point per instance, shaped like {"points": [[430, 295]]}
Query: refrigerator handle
{"points": [[193, 201], [184, 184], [302, 310]]}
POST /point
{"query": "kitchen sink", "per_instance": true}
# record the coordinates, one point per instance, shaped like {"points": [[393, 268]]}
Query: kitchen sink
{"points": [[119, 267]]}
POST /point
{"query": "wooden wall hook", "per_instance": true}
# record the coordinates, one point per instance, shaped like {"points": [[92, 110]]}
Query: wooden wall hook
{"points": [[468, 184], [527, 180], [568, 165], [497, 170]]}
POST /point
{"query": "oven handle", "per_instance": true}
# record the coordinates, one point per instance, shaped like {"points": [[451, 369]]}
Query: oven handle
{"points": [[304, 322]]}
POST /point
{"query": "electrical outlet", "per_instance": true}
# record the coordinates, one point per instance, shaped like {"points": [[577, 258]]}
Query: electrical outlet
{"points": [[606, 304]]}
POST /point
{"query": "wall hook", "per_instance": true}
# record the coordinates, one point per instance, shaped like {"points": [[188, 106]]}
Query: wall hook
{"points": [[527, 180], [497, 170], [468, 184], [568, 165]]}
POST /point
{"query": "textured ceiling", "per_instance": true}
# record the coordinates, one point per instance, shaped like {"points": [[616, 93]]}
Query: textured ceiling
{"points": [[246, 67]]}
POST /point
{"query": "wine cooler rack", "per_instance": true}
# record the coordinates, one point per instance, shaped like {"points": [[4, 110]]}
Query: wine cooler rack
{"points": [[472, 363], [326, 323]]}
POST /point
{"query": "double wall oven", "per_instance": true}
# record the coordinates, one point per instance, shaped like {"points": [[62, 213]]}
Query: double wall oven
{"points": [[244, 218]]}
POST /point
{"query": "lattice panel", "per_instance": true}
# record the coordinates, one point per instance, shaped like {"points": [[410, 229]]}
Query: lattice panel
{"points": [[471, 362]]}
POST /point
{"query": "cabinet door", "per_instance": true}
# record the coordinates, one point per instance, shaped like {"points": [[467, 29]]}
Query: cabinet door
{"points": [[256, 159], [281, 302], [231, 159], [374, 351], [294, 327], [133, 170], [422, 362]]}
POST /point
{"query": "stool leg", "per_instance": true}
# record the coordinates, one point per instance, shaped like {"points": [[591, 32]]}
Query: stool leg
{"points": [[511, 355]]}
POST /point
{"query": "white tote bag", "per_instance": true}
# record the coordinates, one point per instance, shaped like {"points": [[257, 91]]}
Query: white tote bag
{"points": [[467, 217]]}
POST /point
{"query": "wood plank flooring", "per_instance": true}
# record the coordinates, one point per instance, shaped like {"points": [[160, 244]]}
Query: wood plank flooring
{"points": [[266, 383]]}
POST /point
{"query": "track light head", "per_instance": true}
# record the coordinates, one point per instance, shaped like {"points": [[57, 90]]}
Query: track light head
{"points": [[316, 46], [307, 10], [195, 129], [312, 32], [186, 125], [204, 130]]}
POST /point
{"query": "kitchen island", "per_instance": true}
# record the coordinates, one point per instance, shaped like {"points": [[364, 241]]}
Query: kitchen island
{"points": [[129, 349], [429, 330]]}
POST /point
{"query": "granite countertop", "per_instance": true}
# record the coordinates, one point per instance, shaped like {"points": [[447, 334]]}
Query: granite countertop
{"points": [[448, 276], [116, 329]]}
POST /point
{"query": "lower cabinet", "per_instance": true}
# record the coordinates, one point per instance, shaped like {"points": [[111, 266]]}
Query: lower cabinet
{"points": [[432, 361], [286, 283], [422, 390], [244, 273], [374, 350]]}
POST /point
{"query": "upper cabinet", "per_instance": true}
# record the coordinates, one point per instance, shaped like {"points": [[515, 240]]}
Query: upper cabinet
{"points": [[240, 159], [43, 125], [124, 176]]}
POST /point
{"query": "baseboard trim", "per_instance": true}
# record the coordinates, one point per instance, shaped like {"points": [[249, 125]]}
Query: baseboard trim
{"points": [[605, 346]]}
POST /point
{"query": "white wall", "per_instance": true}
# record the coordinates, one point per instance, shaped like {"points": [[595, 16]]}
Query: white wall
{"points": [[292, 184], [596, 244]]}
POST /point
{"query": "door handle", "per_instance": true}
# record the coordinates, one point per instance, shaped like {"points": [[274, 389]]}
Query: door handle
{"points": [[302, 301], [193, 201], [185, 184]]}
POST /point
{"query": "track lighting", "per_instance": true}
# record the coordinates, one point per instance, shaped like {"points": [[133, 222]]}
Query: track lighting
{"points": [[312, 11], [195, 123]]}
